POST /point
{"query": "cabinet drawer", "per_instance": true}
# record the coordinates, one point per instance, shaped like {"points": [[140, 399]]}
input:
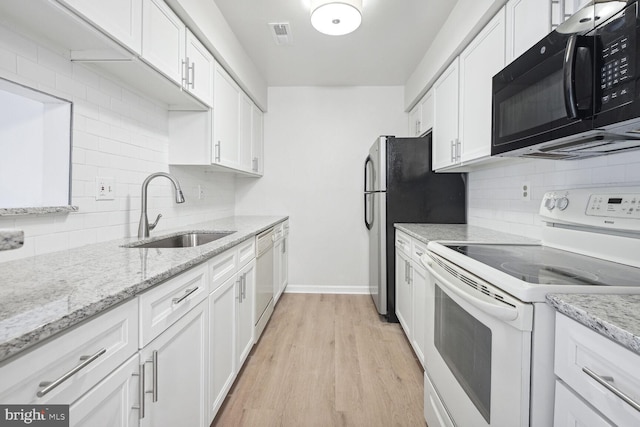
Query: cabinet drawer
{"points": [[108, 339], [223, 266], [580, 350], [417, 250], [571, 411], [163, 305], [403, 243], [246, 251]]}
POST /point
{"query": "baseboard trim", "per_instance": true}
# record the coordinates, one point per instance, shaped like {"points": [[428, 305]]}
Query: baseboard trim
{"points": [[315, 289]]}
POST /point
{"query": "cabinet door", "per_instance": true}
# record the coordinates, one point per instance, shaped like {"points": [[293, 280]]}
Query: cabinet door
{"points": [[112, 403], [527, 22], [245, 322], [414, 121], [571, 411], [277, 270], [198, 72], [284, 262], [120, 19], [426, 113], [445, 123], [176, 369], [226, 121], [163, 39], [222, 338], [419, 284], [257, 140], [245, 133], [403, 292], [479, 62]]}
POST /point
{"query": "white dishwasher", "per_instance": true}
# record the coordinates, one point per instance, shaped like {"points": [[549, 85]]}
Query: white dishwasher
{"points": [[264, 280]]}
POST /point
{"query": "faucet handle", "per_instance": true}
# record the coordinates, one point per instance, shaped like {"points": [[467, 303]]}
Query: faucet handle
{"points": [[152, 226]]}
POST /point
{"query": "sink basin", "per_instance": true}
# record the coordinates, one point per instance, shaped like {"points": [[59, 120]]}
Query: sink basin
{"points": [[185, 240]]}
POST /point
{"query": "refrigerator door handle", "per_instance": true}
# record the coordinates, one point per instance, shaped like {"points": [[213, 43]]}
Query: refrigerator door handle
{"points": [[369, 224]]}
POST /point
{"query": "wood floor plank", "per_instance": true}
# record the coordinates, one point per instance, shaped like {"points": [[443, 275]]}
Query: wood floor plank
{"points": [[327, 360]]}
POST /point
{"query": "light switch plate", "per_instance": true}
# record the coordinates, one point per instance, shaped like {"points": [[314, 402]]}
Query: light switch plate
{"points": [[105, 188]]}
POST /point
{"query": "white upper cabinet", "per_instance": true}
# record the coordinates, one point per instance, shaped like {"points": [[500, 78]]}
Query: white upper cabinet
{"points": [[198, 67], [122, 19], [226, 119], [527, 22], [421, 117], [257, 140], [445, 123], [245, 132], [163, 39], [479, 62]]}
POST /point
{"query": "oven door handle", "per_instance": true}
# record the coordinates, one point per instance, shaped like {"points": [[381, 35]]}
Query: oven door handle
{"points": [[497, 309]]}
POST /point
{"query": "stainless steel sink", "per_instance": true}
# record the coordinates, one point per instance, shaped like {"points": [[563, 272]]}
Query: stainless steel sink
{"points": [[184, 240]]}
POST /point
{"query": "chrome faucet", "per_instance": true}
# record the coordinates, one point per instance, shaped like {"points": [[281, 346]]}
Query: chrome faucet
{"points": [[145, 227]]}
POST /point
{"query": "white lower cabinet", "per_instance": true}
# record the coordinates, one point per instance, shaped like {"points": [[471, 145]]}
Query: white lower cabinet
{"points": [[597, 379], [175, 373], [404, 292], [280, 260], [244, 317], [115, 402], [419, 278]]}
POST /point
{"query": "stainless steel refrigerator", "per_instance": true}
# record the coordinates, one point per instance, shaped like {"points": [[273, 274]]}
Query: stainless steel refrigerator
{"points": [[399, 187]]}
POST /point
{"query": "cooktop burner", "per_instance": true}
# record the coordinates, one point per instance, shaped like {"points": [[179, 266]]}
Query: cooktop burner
{"points": [[548, 266]]}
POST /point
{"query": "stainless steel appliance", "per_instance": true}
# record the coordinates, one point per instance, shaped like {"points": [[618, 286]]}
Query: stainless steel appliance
{"points": [[399, 186], [264, 280], [490, 334], [575, 93]]}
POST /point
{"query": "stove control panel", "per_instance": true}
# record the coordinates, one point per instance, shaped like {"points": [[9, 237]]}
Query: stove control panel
{"points": [[614, 205], [609, 208]]}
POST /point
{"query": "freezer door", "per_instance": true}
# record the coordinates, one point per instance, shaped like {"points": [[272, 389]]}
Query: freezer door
{"points": [[377, 253]]}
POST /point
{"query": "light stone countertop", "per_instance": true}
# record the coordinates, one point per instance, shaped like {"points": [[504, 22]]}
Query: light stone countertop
{"points": [[460, 232], [46, 294], [11, 239], [617, 317]]}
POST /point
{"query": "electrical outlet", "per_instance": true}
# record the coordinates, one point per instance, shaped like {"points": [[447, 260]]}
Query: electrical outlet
{"points": [[525, 191], [105, 188], [200, 192]]}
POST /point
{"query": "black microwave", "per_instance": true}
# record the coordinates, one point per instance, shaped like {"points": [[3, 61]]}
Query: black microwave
{"points": [[575, 93]]}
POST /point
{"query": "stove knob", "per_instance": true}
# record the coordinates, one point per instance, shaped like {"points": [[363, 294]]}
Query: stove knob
{"points": [[562, 203], [550, 203]]}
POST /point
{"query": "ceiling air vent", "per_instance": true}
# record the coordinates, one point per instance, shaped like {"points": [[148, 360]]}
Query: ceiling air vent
{"points": [[281, 32]]}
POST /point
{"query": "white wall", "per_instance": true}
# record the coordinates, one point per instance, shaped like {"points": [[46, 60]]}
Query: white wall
{"points": [[316, 140], [494, 193], [116, 133]]}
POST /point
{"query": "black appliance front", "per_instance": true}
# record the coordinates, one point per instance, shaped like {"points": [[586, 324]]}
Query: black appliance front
{"points": [[415, 194], [574, 80]]}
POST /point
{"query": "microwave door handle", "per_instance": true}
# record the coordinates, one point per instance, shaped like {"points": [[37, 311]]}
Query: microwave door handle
{"points": [[574, 54], [570, 103]]}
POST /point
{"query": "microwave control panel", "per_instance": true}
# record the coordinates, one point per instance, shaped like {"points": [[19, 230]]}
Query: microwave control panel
{"points": [[617, 41]]}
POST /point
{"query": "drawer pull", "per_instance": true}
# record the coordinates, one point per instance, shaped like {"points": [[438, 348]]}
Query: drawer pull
{"points": [[604, 381], [50, 385], [186, 294]]}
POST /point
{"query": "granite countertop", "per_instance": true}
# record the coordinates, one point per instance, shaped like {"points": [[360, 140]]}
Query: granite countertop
{"points": [[11, 239], [460, 233], [46, 294], [615, 316]]}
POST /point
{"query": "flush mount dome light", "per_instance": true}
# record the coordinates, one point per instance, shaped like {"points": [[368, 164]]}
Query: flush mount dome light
{"points": [[336, 17]]}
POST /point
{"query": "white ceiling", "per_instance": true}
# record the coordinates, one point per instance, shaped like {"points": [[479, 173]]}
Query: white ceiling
{"points": [[385, 50]]}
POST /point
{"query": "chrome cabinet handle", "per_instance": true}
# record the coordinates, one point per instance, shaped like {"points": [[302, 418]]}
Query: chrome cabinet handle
{"points": [[217, 152], [255, 164], [185, 74], [50, 385], [193, 75], [418, 125], [239, 282], [604, 381], [183, 297], [243, 280], [284, 246], [140, 406], [458, 150], [154, 376]]}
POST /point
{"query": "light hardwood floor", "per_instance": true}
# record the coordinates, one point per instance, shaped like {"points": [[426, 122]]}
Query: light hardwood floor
{"points": [[327, 360]]}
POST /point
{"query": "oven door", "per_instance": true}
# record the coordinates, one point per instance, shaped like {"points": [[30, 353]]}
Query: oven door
{"points": [[478, 350]]}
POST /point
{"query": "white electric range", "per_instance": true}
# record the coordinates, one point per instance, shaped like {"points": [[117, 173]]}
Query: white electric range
{"points": [[490, 333]]}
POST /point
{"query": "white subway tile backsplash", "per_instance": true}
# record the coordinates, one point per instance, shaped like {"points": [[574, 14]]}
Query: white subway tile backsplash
{"points": [[35, 72]]}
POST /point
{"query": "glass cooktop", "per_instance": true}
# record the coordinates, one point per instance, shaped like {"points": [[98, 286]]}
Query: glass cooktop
{"points": [[544, 265]]}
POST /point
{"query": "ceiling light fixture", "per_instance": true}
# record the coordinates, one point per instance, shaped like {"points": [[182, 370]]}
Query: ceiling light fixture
{"points": [[336, 17]]}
